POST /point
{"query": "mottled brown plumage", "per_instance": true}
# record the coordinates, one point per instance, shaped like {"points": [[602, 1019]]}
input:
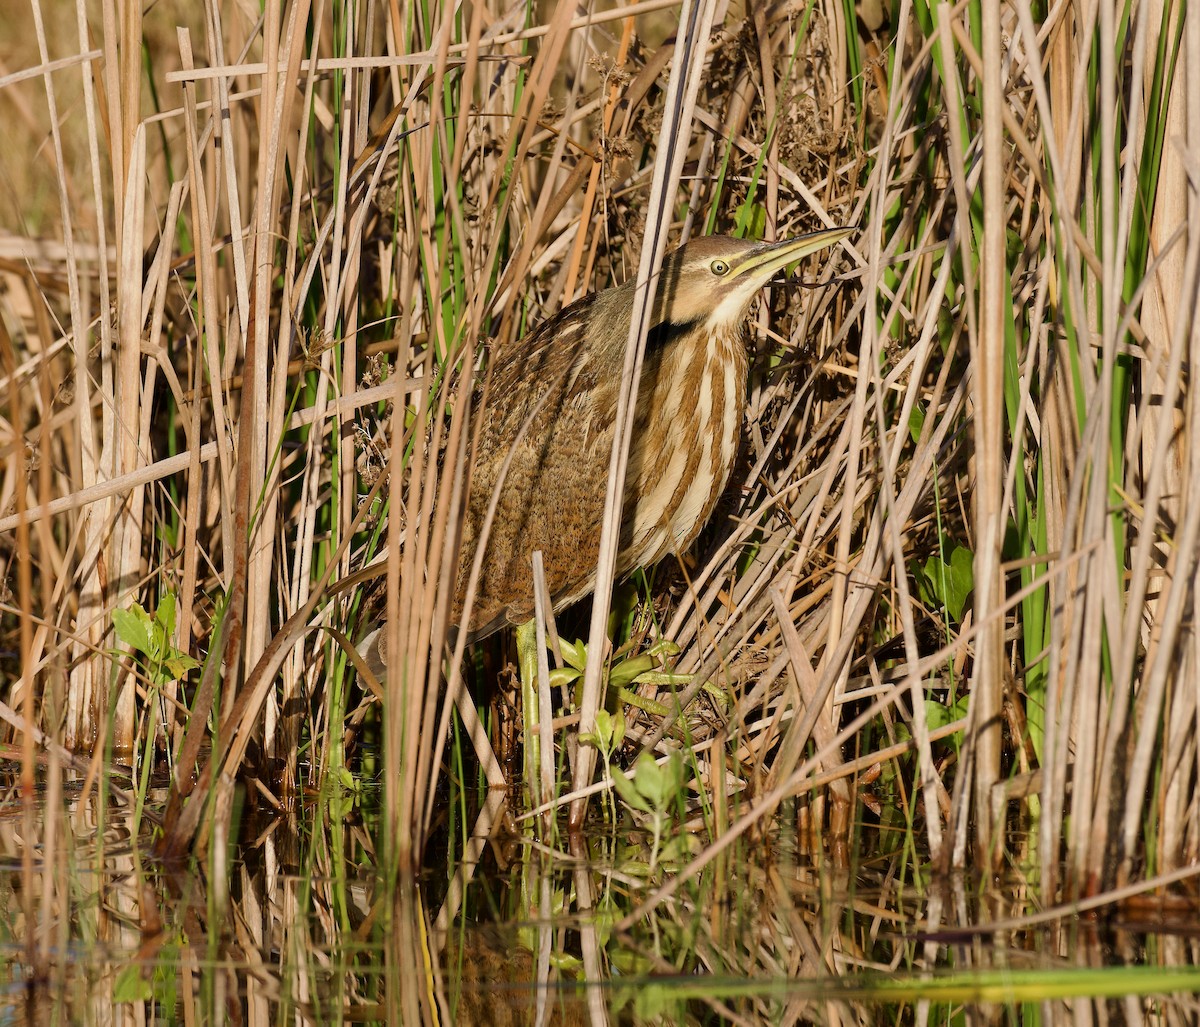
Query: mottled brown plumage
{"points": [[564, 380]]}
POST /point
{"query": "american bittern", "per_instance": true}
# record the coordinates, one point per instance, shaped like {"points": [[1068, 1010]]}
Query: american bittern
{"points": [[561, 383]]}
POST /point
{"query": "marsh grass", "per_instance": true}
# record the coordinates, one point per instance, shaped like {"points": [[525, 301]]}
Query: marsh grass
{"points": [[943, 618]]}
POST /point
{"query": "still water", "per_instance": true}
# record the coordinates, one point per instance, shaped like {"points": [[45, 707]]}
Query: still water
{"points": [[297, 925]]}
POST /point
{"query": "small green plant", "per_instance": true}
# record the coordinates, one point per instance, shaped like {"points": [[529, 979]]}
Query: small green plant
{"points": [[948, 583], [939, 714], [607, 738], [149, 980], [653, 791], [150, 637], [626, 670]]}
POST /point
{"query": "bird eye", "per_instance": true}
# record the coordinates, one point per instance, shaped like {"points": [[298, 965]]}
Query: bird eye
{"points": [[719, 267]]}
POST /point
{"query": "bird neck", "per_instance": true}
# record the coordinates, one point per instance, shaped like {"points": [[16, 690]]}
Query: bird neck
{"points": [[666, 334], [691, 402]]}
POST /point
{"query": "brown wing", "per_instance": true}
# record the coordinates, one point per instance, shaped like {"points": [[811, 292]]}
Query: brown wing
{"points": [[551, 403]]}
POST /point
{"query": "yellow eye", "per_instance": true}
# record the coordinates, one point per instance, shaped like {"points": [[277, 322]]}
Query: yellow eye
{"points": [[719, 267]]}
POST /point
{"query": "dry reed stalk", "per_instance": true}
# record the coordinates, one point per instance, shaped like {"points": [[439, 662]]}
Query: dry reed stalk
{"points": [[696, 23], [987, 378]]}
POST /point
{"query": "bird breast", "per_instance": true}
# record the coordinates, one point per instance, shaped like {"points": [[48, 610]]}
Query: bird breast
{"points": [[690, 406]]}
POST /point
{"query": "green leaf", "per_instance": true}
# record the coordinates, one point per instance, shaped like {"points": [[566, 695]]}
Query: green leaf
{"points": [[574, 653], [916, 422], [569, 966], [618, 720], [632, 963], [755, 221], [626, 789], [625, 671], [938, 715], [604, 730], [662, 679], [609, 733], [961, 581], [133, 628], [950, 582], [657, 1002], [659, 783], [164, 616], [563, 676], [130, 986], [179, 665]]}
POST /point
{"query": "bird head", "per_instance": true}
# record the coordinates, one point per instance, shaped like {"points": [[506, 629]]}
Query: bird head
{"points": [[715, 278]]}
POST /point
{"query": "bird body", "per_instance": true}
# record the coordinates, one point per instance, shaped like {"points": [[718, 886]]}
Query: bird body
{"points": [[552, 404], [552, 496]]}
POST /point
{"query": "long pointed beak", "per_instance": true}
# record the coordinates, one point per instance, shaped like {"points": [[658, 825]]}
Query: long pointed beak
{"points": [[764, 261]]}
